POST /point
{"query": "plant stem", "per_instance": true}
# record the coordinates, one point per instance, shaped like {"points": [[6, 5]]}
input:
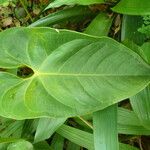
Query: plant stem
{"points": [[86, 122]]}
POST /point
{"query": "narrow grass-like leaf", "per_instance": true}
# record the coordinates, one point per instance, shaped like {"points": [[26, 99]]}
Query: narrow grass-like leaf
{"points": [[129, 123], [62, 15], [58, 3], [133, 7], [9, 140], [77, 136], [46, 127], [105, 129], [13, 129], [83, 138], [132, 130]]}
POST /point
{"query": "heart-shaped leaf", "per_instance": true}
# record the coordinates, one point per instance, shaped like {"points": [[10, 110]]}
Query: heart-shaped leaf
{"points": [[73, 74]]}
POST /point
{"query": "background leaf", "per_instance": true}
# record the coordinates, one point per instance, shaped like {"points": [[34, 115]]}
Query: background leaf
{"points": [[57, 142], [58, 3], [100, 26], [141, 106], [46, 127], [129, 30], [63, 15], [83, 138], [21, 145], [133, 7]]}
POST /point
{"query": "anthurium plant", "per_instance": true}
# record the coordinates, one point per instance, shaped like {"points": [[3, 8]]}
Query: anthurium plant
{"points": [[64, 89]]}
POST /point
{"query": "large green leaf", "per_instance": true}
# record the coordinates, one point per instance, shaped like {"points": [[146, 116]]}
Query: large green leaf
{"points": [[73, 73], [58, 3], [133, 7]]}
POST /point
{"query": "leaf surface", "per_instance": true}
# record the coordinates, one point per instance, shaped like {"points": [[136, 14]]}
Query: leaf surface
{"points": [[84, 139], [105, 129], [20, 145], [73, 73], [100, 25], [62, 15], [46, 127], [58, 3], [133, 7]]}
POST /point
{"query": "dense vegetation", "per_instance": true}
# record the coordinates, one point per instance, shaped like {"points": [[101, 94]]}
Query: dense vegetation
{"points": [[75, 75]]}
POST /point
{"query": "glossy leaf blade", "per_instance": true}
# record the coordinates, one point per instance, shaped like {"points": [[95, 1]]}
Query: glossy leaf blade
{"points": [[58, 3], [62, 15], [64, 83], [133, 7]]}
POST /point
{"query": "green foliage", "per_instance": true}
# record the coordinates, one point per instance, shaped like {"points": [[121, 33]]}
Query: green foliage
{"points": [[57, 65], [4, 2], [103, 122], [21, 145], [58, 3], [133, 7], [63, 15], [48, 75]]}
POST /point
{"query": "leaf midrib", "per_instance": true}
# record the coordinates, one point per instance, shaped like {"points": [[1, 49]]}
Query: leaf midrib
{"points": [[86, 74]]}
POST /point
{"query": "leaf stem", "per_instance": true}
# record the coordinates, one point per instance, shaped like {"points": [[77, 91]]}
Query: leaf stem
{"points": [[86, 122]]}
